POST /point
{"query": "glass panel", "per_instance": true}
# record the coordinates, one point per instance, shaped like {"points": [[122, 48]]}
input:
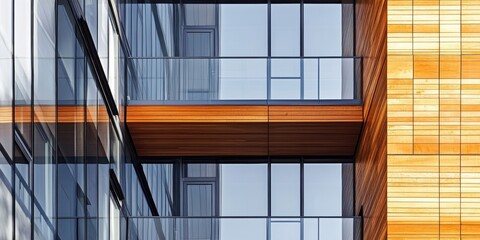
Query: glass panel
{"points": [[331, 229], [323, 29], [91, 15], [201, 170], [200, 14], [289, 88], [323, 189], [6, 81], [285, 34], [311, 78], [243, 189], [160, 180], [23, 198], [243, 30], [199, 200], [91, 154], [70, 139], [286, 229], [286, 68], [6, 197], [285, 182], [243, 79], [44, 127], [241, 229], [103, 170], [330, 78], [102, 25], [23, 69]]}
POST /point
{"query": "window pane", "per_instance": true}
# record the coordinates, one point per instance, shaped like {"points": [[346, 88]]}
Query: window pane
{"points": [[6, 83], [44, 129], [242, 79], [6, 197], [286, 88], [323, 29], [199, 14], [285, 230], [285, 30], [330, 78], [245, 228], [243, 30], [23, 69], [285, 190], [201, 170], [323, 189], [243, 190]]}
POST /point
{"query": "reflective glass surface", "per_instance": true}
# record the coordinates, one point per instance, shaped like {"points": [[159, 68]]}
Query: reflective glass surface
{"points": [[243, 190]]}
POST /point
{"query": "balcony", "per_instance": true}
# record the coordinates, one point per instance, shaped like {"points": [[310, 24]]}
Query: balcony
{"points": [[241, 228], [246, 81], [251, 106]]}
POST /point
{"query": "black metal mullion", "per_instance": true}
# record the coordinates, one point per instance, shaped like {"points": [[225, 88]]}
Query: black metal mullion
{"points": [[302, 197], [13, 120], [85, 129], [55, 141], [32, 162], [302, 187]]}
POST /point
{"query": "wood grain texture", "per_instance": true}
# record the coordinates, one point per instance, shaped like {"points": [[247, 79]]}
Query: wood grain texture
{"points": [[244, 130], [433, 115], [371, 155], [47, 114]]}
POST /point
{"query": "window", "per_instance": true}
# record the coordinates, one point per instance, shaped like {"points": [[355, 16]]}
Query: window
{"points": [[322, 29], [243, 190], [243, 30], [323, 189], [285, 32], [285, 190]]}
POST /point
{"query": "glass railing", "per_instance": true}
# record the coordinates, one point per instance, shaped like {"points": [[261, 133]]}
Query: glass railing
{"points": [[231, 79], [242, 228]]}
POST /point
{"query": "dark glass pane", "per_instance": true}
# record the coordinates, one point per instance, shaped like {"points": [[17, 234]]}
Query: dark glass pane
{"points": [[103, 169], [201, 170], [91, 136], [23, 198], [200, 200], [71, 127], [44, 126]]}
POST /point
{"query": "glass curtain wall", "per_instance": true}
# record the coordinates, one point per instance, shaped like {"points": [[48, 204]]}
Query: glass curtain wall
{"points": [[203, 52], [281, 199], [59, 141]]}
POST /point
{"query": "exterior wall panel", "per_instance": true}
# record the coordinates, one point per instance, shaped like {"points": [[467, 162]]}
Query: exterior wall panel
{"points": [[432, 111]]}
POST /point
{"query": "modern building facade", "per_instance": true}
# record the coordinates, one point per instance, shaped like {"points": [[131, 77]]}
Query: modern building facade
{"points": [[226, 120]]}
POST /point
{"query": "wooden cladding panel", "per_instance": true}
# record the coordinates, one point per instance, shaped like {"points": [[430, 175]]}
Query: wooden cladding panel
{"points": [[199, 139], [47, 114], [371, 156], [150, 114], [433, 119], [244, 130]]}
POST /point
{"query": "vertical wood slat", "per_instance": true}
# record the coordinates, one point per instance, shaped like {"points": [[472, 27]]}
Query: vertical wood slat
{"points": [[371, 156]]}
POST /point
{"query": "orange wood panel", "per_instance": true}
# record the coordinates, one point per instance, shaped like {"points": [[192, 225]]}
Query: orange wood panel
{"points": [[371, 156], [244, 130], [46, 114]]}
